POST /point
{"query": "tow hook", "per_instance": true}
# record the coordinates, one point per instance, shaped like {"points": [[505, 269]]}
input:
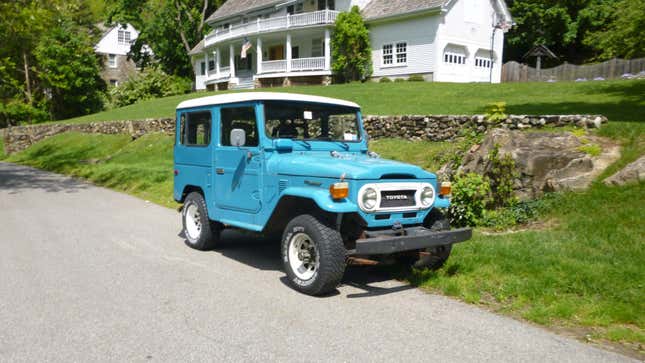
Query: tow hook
{"points": [[397, 227]]}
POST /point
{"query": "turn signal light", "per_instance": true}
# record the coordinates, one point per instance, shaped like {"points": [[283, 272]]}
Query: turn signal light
{"points": [[446, 189], [339, 190]]}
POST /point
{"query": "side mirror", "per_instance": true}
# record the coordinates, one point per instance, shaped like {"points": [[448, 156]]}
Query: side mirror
{"points": [[283, 145], [238, 137]]}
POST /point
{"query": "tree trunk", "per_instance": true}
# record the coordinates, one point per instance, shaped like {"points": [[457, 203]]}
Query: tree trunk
{"points": [[28, 94]]}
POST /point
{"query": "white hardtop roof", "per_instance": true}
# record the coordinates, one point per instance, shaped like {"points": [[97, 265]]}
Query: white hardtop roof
{"points": [[261, 96]]}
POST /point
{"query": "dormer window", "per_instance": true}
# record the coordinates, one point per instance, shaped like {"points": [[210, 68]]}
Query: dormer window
{"points": [[124, 37]]}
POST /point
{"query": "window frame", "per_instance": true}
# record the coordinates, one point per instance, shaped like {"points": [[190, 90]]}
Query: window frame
{"points": [[454, 58], [395, 54], [253, 106], [184, 121], [121, 37], [112, 61]]}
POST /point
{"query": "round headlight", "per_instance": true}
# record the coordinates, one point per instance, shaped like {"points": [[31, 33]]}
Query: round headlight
{"points": [[368, 199], [427, 196]]}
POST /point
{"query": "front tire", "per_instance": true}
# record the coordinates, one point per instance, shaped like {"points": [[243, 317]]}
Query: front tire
{"points": [[200, 232], [431, 258], [313, 255]]}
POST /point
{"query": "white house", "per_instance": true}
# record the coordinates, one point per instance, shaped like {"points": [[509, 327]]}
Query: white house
{"points": [[288, 41], [114, 46]]}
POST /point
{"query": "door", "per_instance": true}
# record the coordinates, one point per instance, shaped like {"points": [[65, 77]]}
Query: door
{"points": [[276, 52], [238, 168]]}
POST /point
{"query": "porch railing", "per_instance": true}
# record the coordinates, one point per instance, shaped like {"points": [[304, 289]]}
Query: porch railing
{"points": [[274, 66], [272, 24], [308, 64]]}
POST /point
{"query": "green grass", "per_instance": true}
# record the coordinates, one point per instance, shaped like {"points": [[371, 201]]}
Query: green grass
{"points": [[618, 100], [142, 167], [2, 154], [426, 154]]}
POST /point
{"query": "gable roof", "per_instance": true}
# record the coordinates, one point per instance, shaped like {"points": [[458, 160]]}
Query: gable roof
{"points": [[387, 8], [235, 7]]}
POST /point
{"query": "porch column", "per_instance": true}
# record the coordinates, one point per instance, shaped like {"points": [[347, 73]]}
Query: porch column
{"points": [[218, 60], [327, 50], [288, 46], [259, 55], [231, 60], [206, 60]]}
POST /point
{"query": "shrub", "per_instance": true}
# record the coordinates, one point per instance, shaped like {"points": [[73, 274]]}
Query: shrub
{"points": [[416, 78], [471, 194], [151, 83], [399, 80], [351, 50], [384, 80], [496, 111], [517, 214], [16, 112], [502, 174]]}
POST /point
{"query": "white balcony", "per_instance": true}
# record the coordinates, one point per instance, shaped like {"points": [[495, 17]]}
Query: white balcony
{"points": [[276, 66], [320, 17]]}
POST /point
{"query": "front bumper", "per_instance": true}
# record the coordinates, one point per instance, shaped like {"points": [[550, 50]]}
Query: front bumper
{"points": [[407, 239]]}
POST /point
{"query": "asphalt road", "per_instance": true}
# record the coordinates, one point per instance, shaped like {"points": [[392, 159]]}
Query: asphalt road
{"points": [[88, 274]]}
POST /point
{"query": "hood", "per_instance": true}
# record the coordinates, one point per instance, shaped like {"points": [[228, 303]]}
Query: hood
{"points": [[353, 165]]}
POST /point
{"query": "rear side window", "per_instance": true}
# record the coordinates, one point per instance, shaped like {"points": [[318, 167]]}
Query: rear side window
{"points": [[196, 128], [239, 118]]}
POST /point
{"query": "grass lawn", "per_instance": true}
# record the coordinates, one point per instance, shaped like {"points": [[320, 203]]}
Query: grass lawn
{"points": [[583, 272], [610, 98]]}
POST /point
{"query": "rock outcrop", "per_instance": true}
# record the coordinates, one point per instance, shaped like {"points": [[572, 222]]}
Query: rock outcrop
{"points": [[545, 161], [632, 173]]}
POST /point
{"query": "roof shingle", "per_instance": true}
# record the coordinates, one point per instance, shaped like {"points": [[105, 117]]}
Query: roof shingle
{"points": [[235, 7], [385, 8]]}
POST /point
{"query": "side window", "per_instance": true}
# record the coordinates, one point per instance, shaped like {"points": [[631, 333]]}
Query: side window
{"points": [[196, 128], [239, 118]]}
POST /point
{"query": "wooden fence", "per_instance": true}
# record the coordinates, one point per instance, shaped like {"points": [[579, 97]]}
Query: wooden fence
{"points": [[611, 69]]}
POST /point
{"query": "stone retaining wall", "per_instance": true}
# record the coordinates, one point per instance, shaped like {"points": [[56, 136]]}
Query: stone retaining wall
{"points": [[432, 128]]}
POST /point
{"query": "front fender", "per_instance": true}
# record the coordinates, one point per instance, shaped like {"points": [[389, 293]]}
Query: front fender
{"points": [[322, 199]]}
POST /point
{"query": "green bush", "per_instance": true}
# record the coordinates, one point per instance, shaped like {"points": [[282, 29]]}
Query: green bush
{"points": [[152, 83], [502, 174], [416, 78], [384, 80], [399, 80], [470, 196], [16, 112], [496, 111], [517, 214]]}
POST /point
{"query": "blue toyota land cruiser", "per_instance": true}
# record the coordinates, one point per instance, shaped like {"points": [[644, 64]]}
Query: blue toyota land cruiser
{"points": [[298, 167]]}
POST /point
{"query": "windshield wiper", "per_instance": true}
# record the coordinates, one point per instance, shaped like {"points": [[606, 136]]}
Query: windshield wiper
{"points": [[307, 144], [345, 145]]}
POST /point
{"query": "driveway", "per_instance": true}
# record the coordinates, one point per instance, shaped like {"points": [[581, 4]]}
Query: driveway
{"points": [[88, 274]]}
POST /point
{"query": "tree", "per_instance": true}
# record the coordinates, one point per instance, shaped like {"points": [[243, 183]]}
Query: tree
{"points": [[560, 25], [351, 47], [170, 28], [69, 70], [623, 34]]}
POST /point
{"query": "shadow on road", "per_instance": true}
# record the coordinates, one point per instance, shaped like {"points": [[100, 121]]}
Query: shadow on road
{"points": [[264, 254], [16, 179]]}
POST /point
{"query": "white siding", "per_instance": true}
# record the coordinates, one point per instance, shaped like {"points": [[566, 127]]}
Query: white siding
{"points": [[109, 43], [469, 23], [419, 33]]}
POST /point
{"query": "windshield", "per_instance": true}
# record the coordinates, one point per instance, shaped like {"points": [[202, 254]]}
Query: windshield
{"points": [[311, 121]]}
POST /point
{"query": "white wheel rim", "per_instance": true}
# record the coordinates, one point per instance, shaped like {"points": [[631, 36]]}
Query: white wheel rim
{"points": [[303, 256], [193, 222]]}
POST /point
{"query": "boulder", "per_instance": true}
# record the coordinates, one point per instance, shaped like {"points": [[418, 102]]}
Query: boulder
{"points": [[545, 161], [632, 173]]}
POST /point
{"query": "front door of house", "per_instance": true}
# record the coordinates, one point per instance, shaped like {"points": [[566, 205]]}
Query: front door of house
{"points": [[276, 52], [244, 64]]}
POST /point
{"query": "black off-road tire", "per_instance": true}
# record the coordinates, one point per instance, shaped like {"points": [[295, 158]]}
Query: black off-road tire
{"points": [[331, 255], [209, 235], [436, 222]]}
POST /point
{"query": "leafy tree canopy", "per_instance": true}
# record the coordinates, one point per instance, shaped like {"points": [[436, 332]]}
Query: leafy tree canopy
{"points": [[351, 47], [170, 28]]}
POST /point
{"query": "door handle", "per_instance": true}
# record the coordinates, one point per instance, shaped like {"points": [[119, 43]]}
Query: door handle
{"points": [[219, 171]]}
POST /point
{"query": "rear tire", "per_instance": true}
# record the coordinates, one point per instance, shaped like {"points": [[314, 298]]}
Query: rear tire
{"points": [[201, 233], [313, 255]]}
